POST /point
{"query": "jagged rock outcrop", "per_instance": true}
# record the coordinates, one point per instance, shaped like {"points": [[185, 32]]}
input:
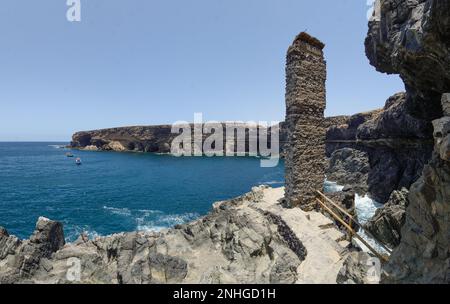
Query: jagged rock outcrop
{"points": [[305, 106], [412, 39], [8, 244], [349, 167], [394, 126], [236, 243], [423, 255], [24, 258], [388, 221], [342, 132], [249, 239], [399, 145]]}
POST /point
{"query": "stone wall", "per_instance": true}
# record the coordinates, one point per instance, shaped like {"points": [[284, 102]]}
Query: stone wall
{"points": [[305, 105]]}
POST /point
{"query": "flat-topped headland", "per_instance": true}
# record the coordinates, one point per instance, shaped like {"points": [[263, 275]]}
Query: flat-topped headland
{"points": [[158, 139]]}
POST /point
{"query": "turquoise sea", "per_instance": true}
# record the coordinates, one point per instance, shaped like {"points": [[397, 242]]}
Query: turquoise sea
{"points": [[114, 192]]}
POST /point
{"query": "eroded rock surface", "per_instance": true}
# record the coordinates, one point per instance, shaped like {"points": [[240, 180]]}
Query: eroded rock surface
{"points": [[388, 221], [412, 39], [349, 167], [423, 255], [20, 260], [397, 144], [250, 239]]}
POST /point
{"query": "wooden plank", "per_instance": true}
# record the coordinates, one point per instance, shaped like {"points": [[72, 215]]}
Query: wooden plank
{"points": [[353, 219], [380, 256]]}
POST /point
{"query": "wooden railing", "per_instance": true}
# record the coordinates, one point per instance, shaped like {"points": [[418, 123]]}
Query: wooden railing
{"points": [[325, 202]]}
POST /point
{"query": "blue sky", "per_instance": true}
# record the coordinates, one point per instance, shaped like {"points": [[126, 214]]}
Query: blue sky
{"points": [[133, 62]]}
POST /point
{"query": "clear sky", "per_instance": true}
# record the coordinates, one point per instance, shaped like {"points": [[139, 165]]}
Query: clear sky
{"points": [[133, 62]]}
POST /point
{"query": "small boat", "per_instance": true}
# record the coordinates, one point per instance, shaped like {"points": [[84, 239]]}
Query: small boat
{"points": [[68, 154], [78, 161]]}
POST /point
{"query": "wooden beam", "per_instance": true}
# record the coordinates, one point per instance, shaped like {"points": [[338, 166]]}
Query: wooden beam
{"points": [[352, 219], [380, 256]]}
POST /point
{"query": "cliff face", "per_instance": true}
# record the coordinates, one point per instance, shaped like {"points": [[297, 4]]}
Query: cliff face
{"points": [[423, 255], [397, 144], [412, 39], [140, 138], [158, 139]]}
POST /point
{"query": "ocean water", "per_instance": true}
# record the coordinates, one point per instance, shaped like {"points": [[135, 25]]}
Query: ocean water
{"points": [[114, 192], [365, 210]]}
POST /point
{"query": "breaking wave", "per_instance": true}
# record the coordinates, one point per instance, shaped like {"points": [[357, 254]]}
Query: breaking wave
{"points": [[152, 220], [163, 221], [365, 207], [274, 182], [365, 210], [73, 232], [118, 211], [57, 146]]}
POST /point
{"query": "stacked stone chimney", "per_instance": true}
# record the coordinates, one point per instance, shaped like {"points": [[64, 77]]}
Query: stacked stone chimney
{"points": [[305, 106]]}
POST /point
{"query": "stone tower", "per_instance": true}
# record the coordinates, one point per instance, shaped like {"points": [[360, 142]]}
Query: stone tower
{"points": [[305, 106]]}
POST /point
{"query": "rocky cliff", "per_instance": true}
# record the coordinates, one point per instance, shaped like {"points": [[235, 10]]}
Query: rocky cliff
{"points": [[138, 138], [412, 39], [388, 221], [158, 139], [423, 255], [397, 145]]}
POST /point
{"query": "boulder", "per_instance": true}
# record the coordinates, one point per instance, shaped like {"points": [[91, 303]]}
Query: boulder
{"points": [[8, 244], [388, 221]]}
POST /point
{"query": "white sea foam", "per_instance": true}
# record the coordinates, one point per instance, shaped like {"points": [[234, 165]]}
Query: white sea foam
{"points": [[365, 207], [163, 221], [272, 183], [57, 146], [176, 219], [118, 211], [148, 212], [148, 228], [76, 231], [365, 210]]}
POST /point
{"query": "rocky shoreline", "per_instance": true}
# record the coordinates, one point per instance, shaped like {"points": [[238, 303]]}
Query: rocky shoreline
{"points": [[249, 239]]}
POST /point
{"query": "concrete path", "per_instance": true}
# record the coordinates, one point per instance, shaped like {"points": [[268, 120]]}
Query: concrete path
{"points": [[325, 243]]}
